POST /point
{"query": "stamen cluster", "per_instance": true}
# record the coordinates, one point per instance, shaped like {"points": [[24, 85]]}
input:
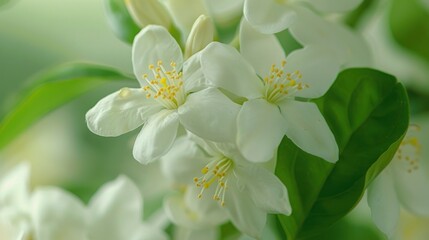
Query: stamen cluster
{"points": [[280, 85], [166, 86], [216, 171]]}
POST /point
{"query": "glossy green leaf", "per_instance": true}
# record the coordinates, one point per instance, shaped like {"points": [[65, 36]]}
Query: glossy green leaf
{"points": [[367, 111], [120, 20], [51, 90], [409, 23]]}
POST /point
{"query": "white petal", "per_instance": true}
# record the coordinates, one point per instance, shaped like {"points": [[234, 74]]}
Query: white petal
{"points": [[333, 5], [184, 160], [412, 185], [269, 16], [120, 112], [261, 50], [147, 232], [318, 68], [260, 129], [347, 46], [183, 214], [224, 67], [14, 186], [153, 44], [193, 76], [266, 190], [115, 210], [225, 11], [185, 12], [58, 215], [308, 129], [244, 214], [209, 210], [384, 203], [209, 114], [156, 137]]}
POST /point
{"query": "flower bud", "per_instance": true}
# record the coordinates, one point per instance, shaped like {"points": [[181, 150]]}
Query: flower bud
{"points": [[201, 35], [145, 12]]}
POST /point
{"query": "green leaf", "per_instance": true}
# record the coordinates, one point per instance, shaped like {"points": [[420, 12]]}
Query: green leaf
{"points": [[51, 90], [121, 21], [410, 26], [367, 111]]}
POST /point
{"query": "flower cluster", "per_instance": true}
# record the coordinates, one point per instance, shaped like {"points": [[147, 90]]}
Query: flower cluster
{"points": [[217, 118]]}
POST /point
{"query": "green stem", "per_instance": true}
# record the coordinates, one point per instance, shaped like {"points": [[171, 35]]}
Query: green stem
{"points": [[353, 19]]}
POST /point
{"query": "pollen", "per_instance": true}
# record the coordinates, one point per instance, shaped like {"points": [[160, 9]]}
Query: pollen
{"points": [[280, 84], [164, 85], [216, 172], [409, 151]]}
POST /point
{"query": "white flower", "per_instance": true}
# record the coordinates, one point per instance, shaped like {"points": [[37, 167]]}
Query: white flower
{"points": [[50, 213], [170, 95], [271, 16], [185, 12], [146, 12], [115, 212], [246, 191], [403, 183], [274, 105], [348, 47]]}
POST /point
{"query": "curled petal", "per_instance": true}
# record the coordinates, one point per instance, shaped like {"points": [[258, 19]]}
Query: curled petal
{"points": [[120, 112]]}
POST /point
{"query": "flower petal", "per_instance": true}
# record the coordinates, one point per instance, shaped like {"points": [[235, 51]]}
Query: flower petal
{"points": [[209, 114], [156, 137], [224, 67], [14, 186], [185, 12], [244, 214], [266, 190], [57, 215], [349, 48], [269, 16], [224, 11], [147, 232], [308, 129], [333, 5], [261, 50], [184, 160], [193, 76], [115, 210], [411, 183], [384, 203], [319, 70], [260, 129], [153, 44], [120, 112]]}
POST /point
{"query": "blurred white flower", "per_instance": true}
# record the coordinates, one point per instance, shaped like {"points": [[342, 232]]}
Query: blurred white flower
{"points": [[147, 12], [271, 16], [50, 213], [15, 223], [185, 12], [272, 109], [246, 191], [403, 183], [168, 97]]}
